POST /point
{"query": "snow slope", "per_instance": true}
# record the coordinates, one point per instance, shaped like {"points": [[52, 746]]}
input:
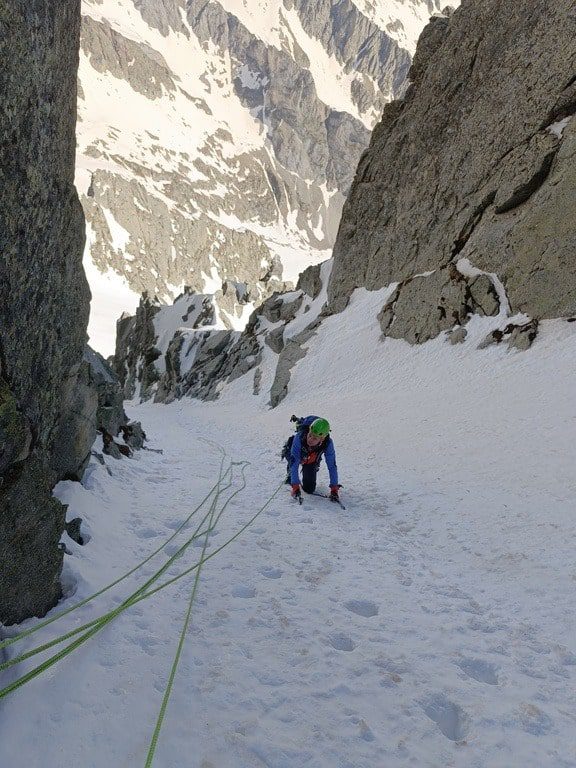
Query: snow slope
{"points": [[432, 623]]}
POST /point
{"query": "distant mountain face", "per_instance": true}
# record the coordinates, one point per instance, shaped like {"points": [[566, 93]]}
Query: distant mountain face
{"points": [[217, 140]]}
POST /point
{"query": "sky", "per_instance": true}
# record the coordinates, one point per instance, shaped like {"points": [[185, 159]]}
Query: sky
{"points": [[430, 623]]}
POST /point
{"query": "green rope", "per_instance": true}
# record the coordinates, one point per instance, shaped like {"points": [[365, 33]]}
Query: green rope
{"points": [[127, 601], [11, 640], [168, 691], [61, 638], [216, 551], [107, 618], [95, 626]]}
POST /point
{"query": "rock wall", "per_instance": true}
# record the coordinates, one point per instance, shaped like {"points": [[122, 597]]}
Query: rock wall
{"points": [[44, 298], [477, 163]]}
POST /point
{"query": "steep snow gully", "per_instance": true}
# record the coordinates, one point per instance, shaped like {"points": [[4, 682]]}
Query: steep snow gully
{"points": [[432, 623]]}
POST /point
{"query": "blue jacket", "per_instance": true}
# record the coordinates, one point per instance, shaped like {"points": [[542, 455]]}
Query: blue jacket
{"points": [[299, 452]]}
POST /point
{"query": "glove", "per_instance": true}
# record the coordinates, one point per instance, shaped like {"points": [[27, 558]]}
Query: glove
{"points": [[334, 493], [296, 492]]}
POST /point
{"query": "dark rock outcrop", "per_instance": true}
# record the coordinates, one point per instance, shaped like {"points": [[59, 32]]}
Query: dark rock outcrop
{"points": [[518, 336], [135, 348], [110, 415], [74, 530], [291, 353], [44, 297], [310, 282], [76, 429], [425, 305], [476, 163]]}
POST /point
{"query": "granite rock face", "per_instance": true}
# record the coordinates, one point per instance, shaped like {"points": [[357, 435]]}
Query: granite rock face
{"points": [[348, 35], [423, 306], [475, 165], [76, 430], [43, 297], [110, 416], [136, 349]]}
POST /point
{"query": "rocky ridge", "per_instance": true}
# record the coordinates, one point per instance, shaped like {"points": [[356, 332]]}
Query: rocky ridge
{"points": [[166, 353]]}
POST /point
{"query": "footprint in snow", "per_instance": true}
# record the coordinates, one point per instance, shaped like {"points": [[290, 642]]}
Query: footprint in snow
{"points": [[146, 643], [533, 720], [199, 543], [148, 533], [171, 549], [365, 731], [173, 524], [157, 478], [451, 719], [69, 584], [341, 641], [566, 657], [479, 670], [403, 578], [364, 608], [243, 591], [269, 572]]}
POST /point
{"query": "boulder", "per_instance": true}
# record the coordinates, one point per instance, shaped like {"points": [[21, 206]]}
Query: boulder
{"points": [[73, 529], [290, 355], [457, 335], [309, 281], [424, 306], [110, 413], [76, 429], [519, 336], [133, 434]]}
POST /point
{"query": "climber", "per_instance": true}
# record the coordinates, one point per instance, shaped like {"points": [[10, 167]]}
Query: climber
{"points": [[311, 441]]}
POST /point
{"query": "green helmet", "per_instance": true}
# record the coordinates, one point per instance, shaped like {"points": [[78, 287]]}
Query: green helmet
{"points": [[320, 428]]}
